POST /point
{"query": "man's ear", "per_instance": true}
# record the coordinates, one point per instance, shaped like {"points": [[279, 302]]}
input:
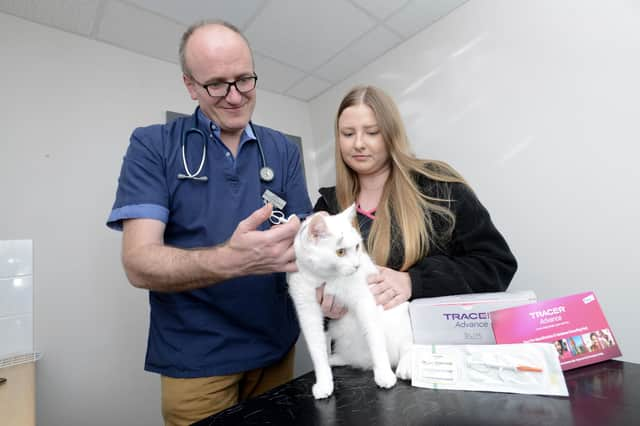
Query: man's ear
{"points": [[191, 87]]}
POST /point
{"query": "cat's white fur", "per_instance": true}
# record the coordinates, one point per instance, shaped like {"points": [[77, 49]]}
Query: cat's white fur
{"points": [[367, 336]]}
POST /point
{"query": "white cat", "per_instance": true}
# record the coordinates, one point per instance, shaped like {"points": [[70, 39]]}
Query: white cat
{"points": [[330, 250]]}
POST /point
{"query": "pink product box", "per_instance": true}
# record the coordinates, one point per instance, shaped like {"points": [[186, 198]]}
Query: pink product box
{"points": [[575, 324]]}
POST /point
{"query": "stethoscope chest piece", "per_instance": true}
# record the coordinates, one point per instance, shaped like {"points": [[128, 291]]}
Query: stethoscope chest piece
{"points": [[266, 174]]}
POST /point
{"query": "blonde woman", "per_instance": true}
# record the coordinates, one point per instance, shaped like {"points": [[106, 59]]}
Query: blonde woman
{"points": [[421, 222]]}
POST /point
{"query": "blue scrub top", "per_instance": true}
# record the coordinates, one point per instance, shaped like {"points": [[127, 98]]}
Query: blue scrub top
{"points": [[235, 325]]}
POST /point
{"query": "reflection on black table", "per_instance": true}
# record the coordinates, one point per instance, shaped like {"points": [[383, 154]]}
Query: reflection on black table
{"points": [[601, 394]]}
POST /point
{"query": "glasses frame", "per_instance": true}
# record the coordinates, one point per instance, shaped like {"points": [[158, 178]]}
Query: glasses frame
{"points": [[233, 83]]}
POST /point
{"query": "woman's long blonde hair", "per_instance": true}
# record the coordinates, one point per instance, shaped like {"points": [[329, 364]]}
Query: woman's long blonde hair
{"points": [[412, 210]]}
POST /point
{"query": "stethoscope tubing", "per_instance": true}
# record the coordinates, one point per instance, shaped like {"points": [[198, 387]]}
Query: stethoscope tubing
{"points": [[188, 174], [266, 172]]}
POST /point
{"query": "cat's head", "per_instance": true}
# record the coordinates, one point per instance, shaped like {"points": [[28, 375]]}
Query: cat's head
{"points": [[329, 246]]}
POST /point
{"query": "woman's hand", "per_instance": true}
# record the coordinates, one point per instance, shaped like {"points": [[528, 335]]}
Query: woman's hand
{"points": [[390, 287], [331, 307]]}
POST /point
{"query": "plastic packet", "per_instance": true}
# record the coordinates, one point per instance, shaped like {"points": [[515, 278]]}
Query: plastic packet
{"points": [[527, 368]]}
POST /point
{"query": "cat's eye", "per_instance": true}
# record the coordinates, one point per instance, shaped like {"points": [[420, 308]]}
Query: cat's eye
{"points": [[341, 252]]}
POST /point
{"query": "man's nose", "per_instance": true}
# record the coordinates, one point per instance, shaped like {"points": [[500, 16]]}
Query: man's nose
{"points": [[234, 95]]}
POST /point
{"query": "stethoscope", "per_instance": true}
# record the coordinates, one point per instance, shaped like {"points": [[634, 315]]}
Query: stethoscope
{"points": [[266, 172]]}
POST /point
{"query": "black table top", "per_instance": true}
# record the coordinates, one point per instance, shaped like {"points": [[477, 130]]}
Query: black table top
{"points": [[605, 394]]}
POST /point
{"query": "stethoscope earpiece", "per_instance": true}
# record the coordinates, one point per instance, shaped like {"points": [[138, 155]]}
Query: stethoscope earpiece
{"points": [[199, 178]]}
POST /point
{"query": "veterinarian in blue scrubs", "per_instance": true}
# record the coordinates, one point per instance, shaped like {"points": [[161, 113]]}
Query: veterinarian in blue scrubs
{"points": [[422, 223], [191, 204]]}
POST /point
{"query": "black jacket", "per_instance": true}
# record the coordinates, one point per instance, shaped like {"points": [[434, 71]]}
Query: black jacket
{"points": [[475, 259]]}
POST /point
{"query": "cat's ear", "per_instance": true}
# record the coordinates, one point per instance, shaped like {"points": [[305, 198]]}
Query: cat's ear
{"points": [[317, 227], [350, 212]]}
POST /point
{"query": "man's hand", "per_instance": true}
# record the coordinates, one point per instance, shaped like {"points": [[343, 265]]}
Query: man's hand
{"points": [[390, 287], [151, 264], [262, 252], [331, 308]]}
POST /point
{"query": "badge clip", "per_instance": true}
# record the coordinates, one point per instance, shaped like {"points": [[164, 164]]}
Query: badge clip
{"points": [[270, 197]]}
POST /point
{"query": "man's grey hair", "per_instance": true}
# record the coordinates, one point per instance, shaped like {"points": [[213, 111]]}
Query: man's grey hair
{"points": [[189, 32]]}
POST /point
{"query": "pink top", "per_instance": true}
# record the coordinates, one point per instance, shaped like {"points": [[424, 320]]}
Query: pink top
{"points": [[371, 214]]}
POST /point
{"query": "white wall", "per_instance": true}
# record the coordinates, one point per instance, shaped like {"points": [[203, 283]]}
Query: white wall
{"points": [[536, 104], [68, 107]]}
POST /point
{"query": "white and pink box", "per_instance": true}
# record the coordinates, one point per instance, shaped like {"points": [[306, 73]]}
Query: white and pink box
{"points": [[575, 324], [462, 319]]}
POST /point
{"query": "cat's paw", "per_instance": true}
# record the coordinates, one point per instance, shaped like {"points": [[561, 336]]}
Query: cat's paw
{"points": [[322, 389], [384, 377], [403, 371]]}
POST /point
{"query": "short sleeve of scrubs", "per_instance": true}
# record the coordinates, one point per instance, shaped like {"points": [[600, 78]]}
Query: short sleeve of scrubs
{"points": [[142, 187]]}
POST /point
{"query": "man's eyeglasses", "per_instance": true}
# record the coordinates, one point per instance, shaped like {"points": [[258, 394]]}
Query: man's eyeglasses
{"points": [[220, 89]]}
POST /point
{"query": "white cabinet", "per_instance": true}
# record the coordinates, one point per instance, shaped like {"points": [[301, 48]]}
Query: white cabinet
{"points": [[17, 356]]}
